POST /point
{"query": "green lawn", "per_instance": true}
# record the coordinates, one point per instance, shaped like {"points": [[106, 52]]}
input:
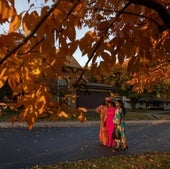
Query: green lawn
{"points": [[144, 161], [148, 115], [93, 115], [138, 115], [7, 114]]}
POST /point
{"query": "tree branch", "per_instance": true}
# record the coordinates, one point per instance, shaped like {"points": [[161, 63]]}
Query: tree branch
{"points": [[31, 34], [100, 41], [158, 7], [33, 47], [42, 20], [131, 13], [142, 16]]}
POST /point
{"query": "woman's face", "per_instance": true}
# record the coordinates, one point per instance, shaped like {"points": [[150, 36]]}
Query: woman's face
{"points": [[117, 104], [110, 104]]}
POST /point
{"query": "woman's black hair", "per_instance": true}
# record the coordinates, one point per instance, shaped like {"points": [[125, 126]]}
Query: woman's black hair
{"points": [[122, 106], [104, 103], [113, 103]]}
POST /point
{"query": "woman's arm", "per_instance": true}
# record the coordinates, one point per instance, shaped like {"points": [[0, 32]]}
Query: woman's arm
{"points": [[117, 118]]}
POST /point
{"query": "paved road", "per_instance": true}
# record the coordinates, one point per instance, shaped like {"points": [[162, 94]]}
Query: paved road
{"points": [[21, 148]]}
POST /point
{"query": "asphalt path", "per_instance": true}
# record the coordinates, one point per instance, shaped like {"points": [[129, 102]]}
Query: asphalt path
{"points": [[21, 148]]}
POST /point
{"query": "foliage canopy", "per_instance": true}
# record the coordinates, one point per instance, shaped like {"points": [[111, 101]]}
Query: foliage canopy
{"points": [[133, 30]]}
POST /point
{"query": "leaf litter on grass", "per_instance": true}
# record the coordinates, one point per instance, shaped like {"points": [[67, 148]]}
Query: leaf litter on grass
{"points": [[157, 160]]}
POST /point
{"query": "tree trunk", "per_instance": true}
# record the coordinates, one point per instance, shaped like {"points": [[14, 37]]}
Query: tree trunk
{"points": [[133, 106], [133, 102]]}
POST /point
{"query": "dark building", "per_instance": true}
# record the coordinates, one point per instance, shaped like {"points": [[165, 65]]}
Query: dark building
{"points": [[92, 95]]}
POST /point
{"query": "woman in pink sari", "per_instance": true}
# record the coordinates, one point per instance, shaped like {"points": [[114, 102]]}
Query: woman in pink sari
{"points": [[109, 122]]}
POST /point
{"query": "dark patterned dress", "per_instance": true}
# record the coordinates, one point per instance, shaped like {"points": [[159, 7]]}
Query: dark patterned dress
{"points": [[119, 121]]}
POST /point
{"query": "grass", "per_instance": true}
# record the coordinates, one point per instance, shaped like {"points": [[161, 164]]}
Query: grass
{"points": [[148, 115], [7, 114], [143, 161], [138, 115], [92, 115]]}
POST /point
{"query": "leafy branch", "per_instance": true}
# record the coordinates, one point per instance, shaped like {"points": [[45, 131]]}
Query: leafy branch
{"points": [[32, 48], [100, 41], [158, 7], [42, 20], [38, 25]]}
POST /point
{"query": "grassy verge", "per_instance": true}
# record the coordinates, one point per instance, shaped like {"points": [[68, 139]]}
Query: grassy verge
{"points": [[138, 115], [144, 161], [148, 115], [93, 115], [7, 114]]}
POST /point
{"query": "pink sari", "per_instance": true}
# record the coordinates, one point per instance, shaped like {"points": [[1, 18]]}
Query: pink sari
{"points": [[110, 125]]}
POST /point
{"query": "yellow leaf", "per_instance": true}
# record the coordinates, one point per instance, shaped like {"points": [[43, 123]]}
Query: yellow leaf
{"points": [[15, 23], [36, 71], [30, 126], [63, 114], [2, 81], [26, 30], [17, 77], [3, 77], [83, 109], [41, 104], [81, 118], [12, 83], [14, 80]]}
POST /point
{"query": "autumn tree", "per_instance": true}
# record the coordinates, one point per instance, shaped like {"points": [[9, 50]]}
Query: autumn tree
{"points": [[137, 30], [121, 82]]}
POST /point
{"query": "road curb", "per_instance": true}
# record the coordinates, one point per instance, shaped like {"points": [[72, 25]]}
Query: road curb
{"points": [[49, 124], [76, 123]]}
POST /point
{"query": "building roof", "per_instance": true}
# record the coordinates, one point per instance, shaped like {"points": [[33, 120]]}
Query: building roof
{"points": [[72, 62], [97, 86]]}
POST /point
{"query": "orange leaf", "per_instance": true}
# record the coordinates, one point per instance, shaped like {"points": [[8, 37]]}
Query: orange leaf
{"points": [[14, 80], [81, 118], [15, 24], [167, 44], [58, 14], [6, 11]]}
